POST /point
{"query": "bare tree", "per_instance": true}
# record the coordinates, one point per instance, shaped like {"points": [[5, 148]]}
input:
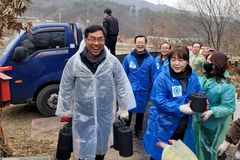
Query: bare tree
{"points": [[9, 10], [214, 16]]}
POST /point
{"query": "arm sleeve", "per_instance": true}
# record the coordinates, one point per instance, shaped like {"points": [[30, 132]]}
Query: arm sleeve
{"points": [[65, 96], [227, 102], [117, 26], [125, 65], [160, 99], [153, 70], [106, 24], [125, 96], [197, 85]]}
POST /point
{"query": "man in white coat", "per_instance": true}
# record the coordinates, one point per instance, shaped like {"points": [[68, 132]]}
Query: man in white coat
{"points": [[92, 81]]}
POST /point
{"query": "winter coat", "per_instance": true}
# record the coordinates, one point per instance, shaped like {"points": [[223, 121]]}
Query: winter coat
{"points": [[197, 62], [110, 24], [165, 115], [211, 133], [160, 67], [141, 79]]}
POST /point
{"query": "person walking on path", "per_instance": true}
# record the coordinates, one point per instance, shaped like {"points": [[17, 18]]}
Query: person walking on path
{"points": [[92, 81]]}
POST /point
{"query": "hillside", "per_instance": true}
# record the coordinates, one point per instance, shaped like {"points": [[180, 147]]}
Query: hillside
{"points": [[141, 19]]}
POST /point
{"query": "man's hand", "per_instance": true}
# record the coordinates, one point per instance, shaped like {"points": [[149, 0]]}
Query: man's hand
{"points": [[122, 114], [206, 115], [185, 108], [223, 147], [65, 119]]}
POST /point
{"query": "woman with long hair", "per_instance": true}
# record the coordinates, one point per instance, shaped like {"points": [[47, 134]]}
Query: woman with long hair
{"points": [[211, 126]]}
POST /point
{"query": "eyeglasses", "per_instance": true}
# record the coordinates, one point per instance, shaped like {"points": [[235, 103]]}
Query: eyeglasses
{"points": [[165, 48], [94, 40]]}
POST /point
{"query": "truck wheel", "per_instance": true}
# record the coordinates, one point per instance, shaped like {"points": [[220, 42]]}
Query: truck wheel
{"points": [[47, 100]]}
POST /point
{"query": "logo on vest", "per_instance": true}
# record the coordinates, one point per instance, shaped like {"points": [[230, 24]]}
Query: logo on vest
{"points": [[132, 65], [176, 91]]}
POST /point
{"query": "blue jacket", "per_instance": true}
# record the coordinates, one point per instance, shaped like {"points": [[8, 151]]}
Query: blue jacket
{"points": [[165, 115], [141, 79], [160, 67]]}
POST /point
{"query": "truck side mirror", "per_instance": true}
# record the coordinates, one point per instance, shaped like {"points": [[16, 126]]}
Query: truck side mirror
{"points": [[20, 53]]}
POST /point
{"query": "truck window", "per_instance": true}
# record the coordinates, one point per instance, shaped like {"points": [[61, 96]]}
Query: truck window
{"points": [[44, 40], [75, 34]]}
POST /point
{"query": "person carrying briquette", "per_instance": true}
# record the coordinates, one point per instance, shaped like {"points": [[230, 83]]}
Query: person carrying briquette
{"points": [[92, 81]]}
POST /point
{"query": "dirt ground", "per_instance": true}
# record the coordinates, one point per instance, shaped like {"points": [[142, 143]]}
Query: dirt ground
{"points": [[29, 134], [17, 130]]}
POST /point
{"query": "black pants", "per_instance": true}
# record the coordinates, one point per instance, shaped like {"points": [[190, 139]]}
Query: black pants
{"points": [[111, 44], [138, 124], [98, 157]]}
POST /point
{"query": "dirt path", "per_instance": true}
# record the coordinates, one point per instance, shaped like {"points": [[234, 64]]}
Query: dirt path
{"points": [[17, 130], [29, 134], [23, 129]]}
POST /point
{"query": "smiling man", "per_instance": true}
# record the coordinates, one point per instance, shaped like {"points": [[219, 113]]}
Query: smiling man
{"points": [[92, 81], [140, 68]]}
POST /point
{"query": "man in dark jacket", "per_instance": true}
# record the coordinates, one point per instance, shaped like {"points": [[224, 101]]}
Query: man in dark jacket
{"points": [[110, 24]]}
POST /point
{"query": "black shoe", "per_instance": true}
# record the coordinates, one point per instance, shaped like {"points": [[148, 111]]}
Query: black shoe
{"points": [[138, 135]]}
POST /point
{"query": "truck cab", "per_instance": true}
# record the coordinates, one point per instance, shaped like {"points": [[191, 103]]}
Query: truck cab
{"points": [[37, 59]]}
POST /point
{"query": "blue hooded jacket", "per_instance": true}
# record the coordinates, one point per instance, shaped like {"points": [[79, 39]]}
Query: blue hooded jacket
{"points": [[165, 115], [160, 67], [141, 78]]}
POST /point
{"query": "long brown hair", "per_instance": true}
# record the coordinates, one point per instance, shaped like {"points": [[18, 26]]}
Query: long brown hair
{"points": [[220, 63]]}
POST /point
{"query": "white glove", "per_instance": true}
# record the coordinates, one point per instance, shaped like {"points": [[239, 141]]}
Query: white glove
{"points": [[207, 114], [237, 154], [185, 108], [122, 114], [223, 147]]}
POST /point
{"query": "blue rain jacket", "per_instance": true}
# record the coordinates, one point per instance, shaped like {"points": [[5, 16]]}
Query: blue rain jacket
{"points": [[141, 79], [164, 115], [160, 67]]}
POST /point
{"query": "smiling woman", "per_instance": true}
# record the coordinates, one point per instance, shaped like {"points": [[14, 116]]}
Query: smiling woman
{"points": [[170, 116]]}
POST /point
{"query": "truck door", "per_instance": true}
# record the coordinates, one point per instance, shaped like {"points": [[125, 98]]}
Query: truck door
{"points": [[47, 52], [77, 31]]}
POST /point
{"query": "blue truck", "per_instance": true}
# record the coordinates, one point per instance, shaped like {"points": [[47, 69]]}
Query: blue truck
{"points": [[37, 59]]}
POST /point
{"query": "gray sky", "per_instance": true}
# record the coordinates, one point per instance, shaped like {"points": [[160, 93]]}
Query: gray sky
{"points": [[172, 3]]}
